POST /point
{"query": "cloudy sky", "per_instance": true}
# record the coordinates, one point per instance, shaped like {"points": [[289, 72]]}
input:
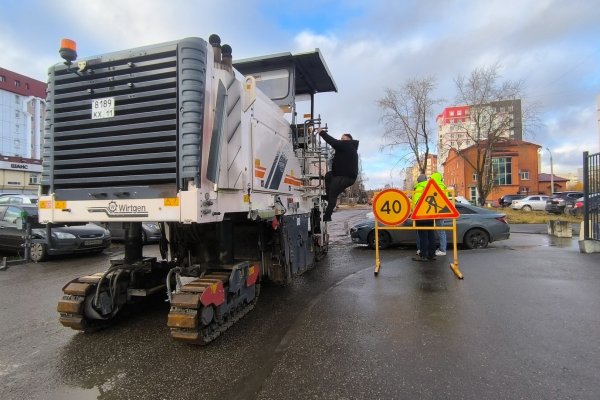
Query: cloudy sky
{"points": [[553, 46]]}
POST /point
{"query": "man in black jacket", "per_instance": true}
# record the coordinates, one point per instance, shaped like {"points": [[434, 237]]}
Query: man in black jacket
{"points": [[344, 168]]}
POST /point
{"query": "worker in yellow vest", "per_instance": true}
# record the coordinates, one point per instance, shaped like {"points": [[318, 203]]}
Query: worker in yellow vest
{"points": [[441, 251]]}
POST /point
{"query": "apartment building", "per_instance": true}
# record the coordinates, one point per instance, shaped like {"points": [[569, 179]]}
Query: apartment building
{"points": [[22, 113], [455, 127], [413, 172]]}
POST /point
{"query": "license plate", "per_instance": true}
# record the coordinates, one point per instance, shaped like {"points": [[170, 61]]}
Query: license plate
{"points": [[94, 242], [103, 108]]}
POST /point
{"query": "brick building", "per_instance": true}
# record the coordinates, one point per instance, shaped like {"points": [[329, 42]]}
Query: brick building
{"points": [[515, 165]]}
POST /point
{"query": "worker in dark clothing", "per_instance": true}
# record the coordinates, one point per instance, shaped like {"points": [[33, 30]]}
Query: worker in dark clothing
{"points": [[426, 242], [344, 168]]}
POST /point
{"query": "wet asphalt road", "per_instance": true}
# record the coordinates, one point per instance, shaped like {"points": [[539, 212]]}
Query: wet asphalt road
{"points": [[523, 324]]}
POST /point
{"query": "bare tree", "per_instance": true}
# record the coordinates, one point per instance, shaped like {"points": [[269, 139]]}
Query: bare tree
{"points": [[492, 115], [407, 114], [357, 190]]}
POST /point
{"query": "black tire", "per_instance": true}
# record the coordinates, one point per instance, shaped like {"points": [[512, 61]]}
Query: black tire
{"points": [[476, 238], [385, 240], [38, 252], [526, 208]]}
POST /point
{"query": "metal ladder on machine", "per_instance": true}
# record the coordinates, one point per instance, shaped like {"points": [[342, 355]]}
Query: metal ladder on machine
{"points": [[314, 158]]}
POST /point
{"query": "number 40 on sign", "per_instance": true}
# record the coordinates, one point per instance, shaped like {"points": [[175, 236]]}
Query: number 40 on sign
{"points": [[391, 207]]}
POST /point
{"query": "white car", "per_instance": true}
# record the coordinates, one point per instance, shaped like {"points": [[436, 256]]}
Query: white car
{"points": [[18, 199], [535, 202]]}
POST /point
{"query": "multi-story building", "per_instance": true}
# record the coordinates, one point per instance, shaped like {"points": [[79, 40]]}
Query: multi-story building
{"points": [[455, 128], [514, 164], [22, 113], [413, 172]]}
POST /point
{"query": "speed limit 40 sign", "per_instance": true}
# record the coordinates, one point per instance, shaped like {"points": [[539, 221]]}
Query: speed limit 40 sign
{"points": [[391, 207]]}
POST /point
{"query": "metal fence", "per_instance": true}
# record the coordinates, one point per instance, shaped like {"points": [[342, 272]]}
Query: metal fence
{"points": [[591, 199]]}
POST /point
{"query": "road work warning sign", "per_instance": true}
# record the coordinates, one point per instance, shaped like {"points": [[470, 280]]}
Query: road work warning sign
{"points": [[434, 204]]}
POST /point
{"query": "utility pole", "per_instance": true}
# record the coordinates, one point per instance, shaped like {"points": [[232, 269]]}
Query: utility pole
{"points": [[551, 173]]}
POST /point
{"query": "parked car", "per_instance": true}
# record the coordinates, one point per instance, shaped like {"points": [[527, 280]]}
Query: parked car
{"points": [[89, 238], [536, 202], [507, 199], [150, 231], [593, 201], [18, 199], [562, 202], [476, 227], [461, 199]]}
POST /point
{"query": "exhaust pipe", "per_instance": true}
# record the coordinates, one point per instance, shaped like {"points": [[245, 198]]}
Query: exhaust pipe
{"points": [[215, 42]]}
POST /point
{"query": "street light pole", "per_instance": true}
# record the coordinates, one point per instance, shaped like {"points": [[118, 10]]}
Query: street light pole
{"points": [[551, 173]]}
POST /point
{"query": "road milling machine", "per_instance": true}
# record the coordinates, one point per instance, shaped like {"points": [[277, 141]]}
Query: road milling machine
{"points": [[212, 150]]}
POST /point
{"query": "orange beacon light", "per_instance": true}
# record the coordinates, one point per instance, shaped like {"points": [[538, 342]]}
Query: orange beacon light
{"points": [[68, 50]]}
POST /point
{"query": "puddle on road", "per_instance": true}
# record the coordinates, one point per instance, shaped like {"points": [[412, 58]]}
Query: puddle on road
{"points": [[546, 241]]}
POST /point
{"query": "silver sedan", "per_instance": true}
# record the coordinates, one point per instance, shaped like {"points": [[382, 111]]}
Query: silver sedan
{"points": [[537, 203]]}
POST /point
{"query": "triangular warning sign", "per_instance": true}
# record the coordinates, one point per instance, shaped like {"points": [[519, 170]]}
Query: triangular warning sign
{"points": [[434, 204]]}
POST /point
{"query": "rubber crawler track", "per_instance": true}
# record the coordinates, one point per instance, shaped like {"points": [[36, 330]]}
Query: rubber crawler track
{"points": [[199, 333]]}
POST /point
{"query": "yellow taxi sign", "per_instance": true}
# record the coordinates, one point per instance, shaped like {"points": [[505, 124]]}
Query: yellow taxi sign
{"points": [[171, 201], [60, 204], [391, 207], [434, 204], [45, 204]]}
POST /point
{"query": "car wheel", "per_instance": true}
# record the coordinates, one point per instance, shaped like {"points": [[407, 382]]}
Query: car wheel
{"points": [[38, 252], [526, 208], [476, 238], [384, 240]]}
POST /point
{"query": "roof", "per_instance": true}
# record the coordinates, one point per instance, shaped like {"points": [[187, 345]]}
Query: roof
{"points": [[546, 178], [312, 74], [21, 84]]}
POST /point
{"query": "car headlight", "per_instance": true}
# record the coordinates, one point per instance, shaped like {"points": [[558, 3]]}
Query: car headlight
{"points": [[106, 232], [63, 235], [152, 226]]}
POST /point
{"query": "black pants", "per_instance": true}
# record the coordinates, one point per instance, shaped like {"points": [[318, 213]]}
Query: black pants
{"points": [[426, 238], [334, 185]]}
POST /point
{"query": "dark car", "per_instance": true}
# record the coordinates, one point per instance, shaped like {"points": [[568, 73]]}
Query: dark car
{"points": [[593, 204], [87, 238], [562, 202], [476, 227], [507, 199], [150, 231]]}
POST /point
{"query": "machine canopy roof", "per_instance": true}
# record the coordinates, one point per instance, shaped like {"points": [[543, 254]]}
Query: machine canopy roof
{"points": [[312, 74]]}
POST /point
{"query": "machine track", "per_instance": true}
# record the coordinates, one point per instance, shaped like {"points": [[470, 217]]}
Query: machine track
{"points": [[206, 307], [87, 307], [78, 295]]}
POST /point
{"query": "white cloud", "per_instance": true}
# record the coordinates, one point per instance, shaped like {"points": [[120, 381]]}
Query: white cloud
{"points": [[552, 45]]}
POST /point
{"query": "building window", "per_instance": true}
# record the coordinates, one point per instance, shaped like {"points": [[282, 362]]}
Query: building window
{"points": [[502, 170], [17, 83], [474, 176], [2, 78], [34, 179], [524, 175], [451, 113], [27, 86], [459, 112], [473, 195]]}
